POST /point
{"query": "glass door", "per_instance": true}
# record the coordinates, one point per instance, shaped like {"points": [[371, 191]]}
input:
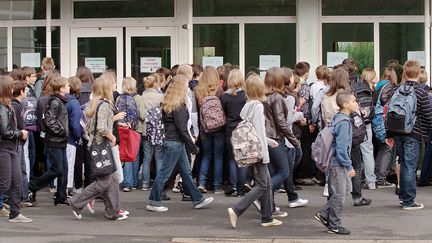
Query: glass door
{"points": [[99, 49], [149, 48]]}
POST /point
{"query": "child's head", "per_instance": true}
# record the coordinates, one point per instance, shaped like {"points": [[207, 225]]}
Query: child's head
{"points": [[16, 74], [423, 77], [302, 70], [46, 86], [186, 70], [369, 75], [291, 82], [6, 90], [274, 80], [347, 102], [29, 75], [129, 86], [411, 70], [197, 71], [390, 75], [60, 85], [151, 82], [322, 72], [235, 81], [47, 64], [255, 88], [339, 79], [351, 64], [75, 85], [85, 74], [19, 87]]}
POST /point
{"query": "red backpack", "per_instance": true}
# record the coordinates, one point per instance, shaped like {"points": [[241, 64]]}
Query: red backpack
{"points": [[212, 114]]}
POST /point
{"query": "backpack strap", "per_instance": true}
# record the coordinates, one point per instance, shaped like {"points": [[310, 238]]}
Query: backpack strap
{"points": [[380, 93], [96, 118]]}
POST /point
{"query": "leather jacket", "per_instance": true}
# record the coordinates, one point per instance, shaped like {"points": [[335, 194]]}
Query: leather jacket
{"points": [[8, 126], [275, 111], [57, 124]]}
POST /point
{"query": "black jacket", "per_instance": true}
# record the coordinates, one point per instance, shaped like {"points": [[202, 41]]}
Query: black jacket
{"points": [[9, 134], [232, 106], [17, 106], [56, 122], [176, 127]]}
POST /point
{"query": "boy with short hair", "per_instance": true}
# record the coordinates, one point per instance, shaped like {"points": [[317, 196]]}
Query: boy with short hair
{"points": [[341, 168], [47, 65], [57, 130]]}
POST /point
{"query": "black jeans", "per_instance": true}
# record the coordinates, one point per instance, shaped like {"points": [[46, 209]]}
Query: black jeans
{"points": [[82, 158], [356, 159], [59, 165], [10, 180]]}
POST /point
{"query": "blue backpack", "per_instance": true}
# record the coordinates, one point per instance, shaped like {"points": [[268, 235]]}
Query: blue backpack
{"points": [[155, 127], [378, 124], [402, 110], [126, 103]]}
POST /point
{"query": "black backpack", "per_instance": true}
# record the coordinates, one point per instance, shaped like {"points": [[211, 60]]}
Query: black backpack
{"points": [[363, 94], [359, 129]]}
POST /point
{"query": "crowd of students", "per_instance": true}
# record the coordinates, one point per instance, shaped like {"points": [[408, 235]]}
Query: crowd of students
{"points": [[186, 117]]}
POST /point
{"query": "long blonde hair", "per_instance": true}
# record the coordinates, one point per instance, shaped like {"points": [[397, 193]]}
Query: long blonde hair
{"points": [[235, 81], [208, 84], [255, 88], [176, 94], [102, 89]]}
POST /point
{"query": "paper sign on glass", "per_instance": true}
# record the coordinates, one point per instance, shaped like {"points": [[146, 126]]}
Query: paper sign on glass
{"points": [[336, 58], [150, 64], [30, 59], [96, 64], [417, 55], [268, 61], [212, 61]]}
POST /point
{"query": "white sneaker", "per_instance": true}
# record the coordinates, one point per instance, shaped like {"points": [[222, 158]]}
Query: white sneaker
{"points": [[299, 203], [325, 192], [204, 203], [77, 191], [371, 186], [4, 213], [274, 222], [123, 212], [257, 205], [77, 214], [279, 214], [90, 206], [20, 219], [156, 208], [53, 190], [232, 217]]}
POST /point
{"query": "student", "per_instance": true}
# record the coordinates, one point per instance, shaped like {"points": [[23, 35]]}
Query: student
{"points": [[176, 115], [57, 131], [10, 175], [341, 167], [74, 115], [233, 101], [105, 186], [47, 66], [318, 89], [262, 191], [408, 145], [427, 160]]}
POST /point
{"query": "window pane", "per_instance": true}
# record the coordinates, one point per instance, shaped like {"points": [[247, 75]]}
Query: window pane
{"points": [[104, 47], [124, 9], [373, 7], [244, 8], [55, 45], [397, 39], [270, 39], [28, 40], [216, 40], [27, 10], [3, 49], [355, 39]]}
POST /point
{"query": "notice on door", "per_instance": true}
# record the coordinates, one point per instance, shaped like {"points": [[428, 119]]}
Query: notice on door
{"points": [[268, 61], [150, 64], [417, 55], [212, 61], [30, 59], [336, 58], [96, 64]]}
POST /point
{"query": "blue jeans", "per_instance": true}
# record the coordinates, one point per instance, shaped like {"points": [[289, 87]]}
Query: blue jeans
{"points": [[213, 146], [237, 175], [278, 167], [174, 155], [427, 160], [130, 172], [23, 167], [1, 201], [149, 150], [408, 150], [294, 157]]}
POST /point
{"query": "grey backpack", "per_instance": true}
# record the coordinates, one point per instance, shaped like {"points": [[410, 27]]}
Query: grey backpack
{"points": [[402, 110], [245, 142]]}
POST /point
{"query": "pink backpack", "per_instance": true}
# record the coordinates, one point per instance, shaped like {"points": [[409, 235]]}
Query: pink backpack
{"points": [[212, 114]]}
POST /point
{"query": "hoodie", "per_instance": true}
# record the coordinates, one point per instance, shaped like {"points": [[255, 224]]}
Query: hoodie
{"points": [[342, 132], [74, 115]]}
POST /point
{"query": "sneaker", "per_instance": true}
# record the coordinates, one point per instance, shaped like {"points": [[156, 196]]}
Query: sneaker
{"points": [[20, 219], [219, 191], [339, 231], [26, 204], [247, 187], [123, 212], [281, 190], [32, 197], [77, 191], [257, 205], [232, 192], [65, 203], [371, 186], [4, 213], [77, 213], [145, 188], [176, 189], [186, 198], [325, 191], [165, 197], [279, 214], [126, 189], [274, 222], [320, 218], [298, 203], [204, 203], [6, 205], [134, 188], [156, 208], [119, 217], [363, 202], [202, 189], [90, 206], [414, 206], [385, 184], [53, 190], [232, 217]]}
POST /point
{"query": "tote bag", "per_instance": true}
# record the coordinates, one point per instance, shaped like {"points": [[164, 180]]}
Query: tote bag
{"points": [[129, 144]]}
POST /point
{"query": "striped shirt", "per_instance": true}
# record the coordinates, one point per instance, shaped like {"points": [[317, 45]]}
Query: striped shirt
{"points": [[423, 124]]}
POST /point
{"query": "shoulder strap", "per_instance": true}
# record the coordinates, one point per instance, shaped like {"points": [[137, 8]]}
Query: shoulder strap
{"points": [[381, 91], [96, 118]]}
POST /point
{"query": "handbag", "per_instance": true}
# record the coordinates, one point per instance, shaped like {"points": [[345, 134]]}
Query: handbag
{"points": [[102, 159], [129, 144]]}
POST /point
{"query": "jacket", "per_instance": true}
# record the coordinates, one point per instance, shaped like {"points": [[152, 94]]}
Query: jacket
{"points": [[232, 106], [74, 115], [276, 113], [85, 92], [17, 106], [9, 134], [104, 123], [342, 132], [56, 122], [150, 98], [176, 127]]}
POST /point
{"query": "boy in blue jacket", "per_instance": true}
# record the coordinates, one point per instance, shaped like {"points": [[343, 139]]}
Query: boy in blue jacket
{"points": [[341, 167]]}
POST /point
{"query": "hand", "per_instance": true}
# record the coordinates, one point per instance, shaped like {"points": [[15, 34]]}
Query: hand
{"points": [[122, 124], [274, 144], [389, 142], [119, 116], [302, 102], [113, 142], [351, 173], [312, 128], [25, 134]]}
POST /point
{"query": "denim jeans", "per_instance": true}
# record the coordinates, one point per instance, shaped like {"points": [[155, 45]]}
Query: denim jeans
{"points": [[237, 175], [294, 157], [357, 165], [368, 158], [174, 154], [382, 162], [24, 177], [427, 160], [149, 150], [31, 153], [82, 158], [130, 172], [278, 167], [213, 146], [408, 150], [10, 180], [1, 201]]}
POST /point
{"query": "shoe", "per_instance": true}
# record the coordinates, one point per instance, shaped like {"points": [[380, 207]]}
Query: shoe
{"points": [[204, 203], [202, 189], [297, 188], [371, 186], [397, 190], [363, 202], [90, 206], [126, 189], [123, 212], [26, 204], [77, 213], [274, 222], [176, 189], [257, 205], [6, 205], [4, 212], [156, 208], [145, 188], [316, 180], [325, 191], [53, 190], [134, 188], [414, 206], [232, 192], [219, 191], [165, 197], [298, 203], [339, 231], [385, 184], [247, 187], [77, 191], [232, 217], [20, 219], [279, 214], [61, 203], [320, 218], [118, 217], [281, 190], [186, 198], [32, 196]]}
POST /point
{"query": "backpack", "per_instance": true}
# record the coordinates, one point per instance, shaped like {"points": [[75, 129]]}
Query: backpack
{"points": [[304, 92], [378, 124], [154, 126], [359, 129], [28, 113], [245, 142], [212, 114], [126, 103], [363, 94], [402, 110]]}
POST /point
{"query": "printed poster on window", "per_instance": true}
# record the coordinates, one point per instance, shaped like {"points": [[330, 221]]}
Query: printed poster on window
{"points": [[96, 64], [150, 64], [212, 61], [268, 61], [417, 55], [336, 58], [30, 60]]}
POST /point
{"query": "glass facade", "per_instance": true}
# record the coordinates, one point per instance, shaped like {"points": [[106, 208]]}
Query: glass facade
{"points": [[28, 10], [97, 47], [3, 49], [372, 7], [244, 8]]}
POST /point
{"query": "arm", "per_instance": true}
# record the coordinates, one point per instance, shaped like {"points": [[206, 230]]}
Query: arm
{"points": [[74, 120], [181, 117], [343, 138], [281, 122], [5, 131], [258, 121], [52, 123], [316, 106], [425, 111], [105, 120]]}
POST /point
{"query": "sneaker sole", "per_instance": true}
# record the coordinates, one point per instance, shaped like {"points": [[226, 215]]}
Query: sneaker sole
{"points": [[153, 209], [412, 208], [206, 202], [273, 223], [77, 216], [20, 221], [321, 221], [232, 217]]}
